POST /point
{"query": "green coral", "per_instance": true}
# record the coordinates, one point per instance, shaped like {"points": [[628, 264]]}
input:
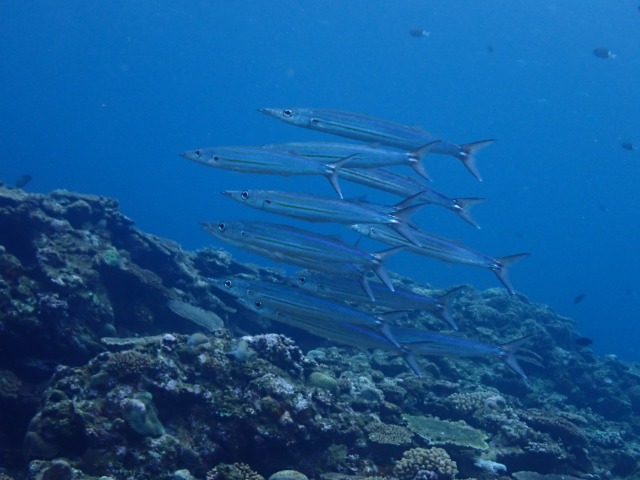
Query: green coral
{"points": [[389, 434], [433, 459], [111, 257], [140, 413], [323, 381], [443, 432]]}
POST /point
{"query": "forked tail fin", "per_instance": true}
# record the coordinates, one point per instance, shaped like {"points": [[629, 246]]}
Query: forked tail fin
{"points": [[509, 350], [501, 269], [462, 207], [418, 157], [445, 300], [467, 155]]}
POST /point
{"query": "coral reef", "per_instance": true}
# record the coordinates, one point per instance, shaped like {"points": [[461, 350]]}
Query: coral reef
{"points": [[423, 463], [118, 359]]}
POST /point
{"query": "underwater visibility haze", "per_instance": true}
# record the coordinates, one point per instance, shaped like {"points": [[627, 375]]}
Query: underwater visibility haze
{"points": [[512, 126]]}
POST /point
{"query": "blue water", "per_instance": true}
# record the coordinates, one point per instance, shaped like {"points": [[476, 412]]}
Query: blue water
{"points": [[100, 97]]}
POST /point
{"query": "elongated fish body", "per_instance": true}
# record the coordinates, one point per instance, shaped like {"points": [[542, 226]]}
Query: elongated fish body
{"points": [[361, 156], [349, 334], [315, 208], [412, 341], [434, 246], [423, 342], [405, 186], [401, 299], [285, 242], [264, 161], [375, 130], [332, 268], [293, 301]]}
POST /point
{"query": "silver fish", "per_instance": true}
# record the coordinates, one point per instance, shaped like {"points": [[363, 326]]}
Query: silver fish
{"points": [[434, 246], [293, 301], [362, 156], [401, 299], [375, 130], [349, 334], [423, 342], [412, 341], [315, 208], [285, 243], [264, 161], [405, 186]]}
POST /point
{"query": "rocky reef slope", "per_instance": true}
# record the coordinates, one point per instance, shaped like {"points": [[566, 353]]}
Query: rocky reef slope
{"points": [[119, 360]]}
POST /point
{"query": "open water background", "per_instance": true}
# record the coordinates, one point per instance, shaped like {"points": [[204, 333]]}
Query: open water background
{"points": [[100, 97]]}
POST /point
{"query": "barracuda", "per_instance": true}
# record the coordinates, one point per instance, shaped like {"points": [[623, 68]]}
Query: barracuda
{"points": [[422, 342], [263, 161], [375, 130], [293, 301], [405, 186], [353, 335], [315, 208], [286, 242], [433, 246], [411, 341], [342, 288], [361, 156]]}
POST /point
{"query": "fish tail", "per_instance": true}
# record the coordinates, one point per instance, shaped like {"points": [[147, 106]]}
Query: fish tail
{"points": [[364, 283], [445, 300], [462, 207], [405, 230], [419, 156], [333, 176], [467, 155], [379, 269], [333, 180], [385, 329], [501, 270], [404, 226], [413, 363], [509, 350]]}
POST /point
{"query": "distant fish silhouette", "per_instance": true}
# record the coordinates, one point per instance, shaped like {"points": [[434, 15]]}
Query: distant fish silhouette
{"points": [[579, 298], [602, 52], [629, 146], [23, 180], [419, 32], [583, 341]]}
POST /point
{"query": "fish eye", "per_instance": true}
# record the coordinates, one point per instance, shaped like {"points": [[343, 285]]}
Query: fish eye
{"points": [[197, 153], [244, 195], [258, 305], [302, 280], [287, 113], [227, 283], [215, 158], [221, 227]]}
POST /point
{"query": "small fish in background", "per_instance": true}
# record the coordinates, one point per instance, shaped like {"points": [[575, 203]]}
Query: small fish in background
{"points": [[602, 52], [629, 146], [579, 298], [583, 341], [23, 180], [419, 32]]}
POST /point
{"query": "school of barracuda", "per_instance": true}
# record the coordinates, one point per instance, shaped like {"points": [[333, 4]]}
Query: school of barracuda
{"points": [[334, 297]]}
